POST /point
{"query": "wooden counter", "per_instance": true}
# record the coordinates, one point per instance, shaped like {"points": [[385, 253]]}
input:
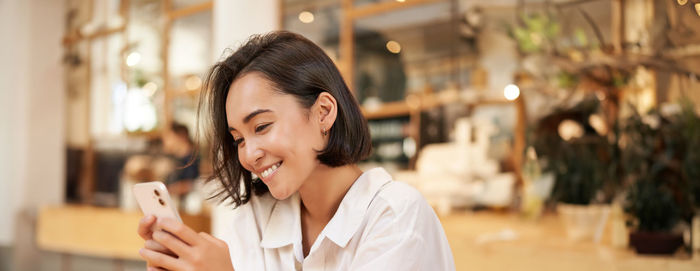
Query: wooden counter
{"points": [[541, 245], [94, 231]]}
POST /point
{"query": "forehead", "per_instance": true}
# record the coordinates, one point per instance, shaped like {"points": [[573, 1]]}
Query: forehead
{"points": [[249, 88], [251, 92]]}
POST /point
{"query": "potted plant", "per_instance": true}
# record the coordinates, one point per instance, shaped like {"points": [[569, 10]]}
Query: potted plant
{"points": [[583, 160], [660, 160], [655, 213]]}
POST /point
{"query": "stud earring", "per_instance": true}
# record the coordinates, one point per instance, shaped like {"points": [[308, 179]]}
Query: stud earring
{"points": [[325, 133]]}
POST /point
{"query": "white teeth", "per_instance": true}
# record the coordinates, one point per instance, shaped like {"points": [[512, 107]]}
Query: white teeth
{"points": [[269, 171]]}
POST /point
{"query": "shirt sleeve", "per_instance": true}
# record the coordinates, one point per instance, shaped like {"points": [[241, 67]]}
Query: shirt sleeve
{"points": [[409, 239]]}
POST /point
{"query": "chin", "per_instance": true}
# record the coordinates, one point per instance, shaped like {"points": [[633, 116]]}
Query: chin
{"points": [[280, 194]]}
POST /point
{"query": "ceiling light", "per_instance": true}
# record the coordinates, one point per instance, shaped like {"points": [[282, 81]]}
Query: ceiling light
{"points": [[306, 17], [393, 47], [133, 59], [511, 92], [193, 82]]}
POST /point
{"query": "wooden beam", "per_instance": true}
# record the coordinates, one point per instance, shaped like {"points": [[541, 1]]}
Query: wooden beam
{"points": [[384, 7], [77, 36], [190, 10], [280, 14], [167, 116], [617, 25], [680, 52], [347, 45], [387, 110], [519, 140], [422, 103]]}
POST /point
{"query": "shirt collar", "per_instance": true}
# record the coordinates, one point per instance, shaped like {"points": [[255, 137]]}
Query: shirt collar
{"points": [[285, 220], [284, 223], [354, 206]]}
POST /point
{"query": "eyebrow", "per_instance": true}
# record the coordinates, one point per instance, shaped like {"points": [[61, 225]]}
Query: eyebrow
{"points": [[251, 116]]}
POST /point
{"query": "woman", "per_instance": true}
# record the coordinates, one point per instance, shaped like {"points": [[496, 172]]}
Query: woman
{"points": [[280, 110]]}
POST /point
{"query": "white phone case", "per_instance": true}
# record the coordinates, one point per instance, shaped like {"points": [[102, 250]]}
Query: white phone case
{"points": [[154, 199]]}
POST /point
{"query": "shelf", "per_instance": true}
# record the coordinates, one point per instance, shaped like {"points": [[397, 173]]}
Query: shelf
{"points": [[388, 110], [385, 7], [419, 103], [388, 139]]}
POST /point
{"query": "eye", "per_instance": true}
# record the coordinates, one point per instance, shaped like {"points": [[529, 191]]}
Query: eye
{"points": [[262, 127], [237, 142]]}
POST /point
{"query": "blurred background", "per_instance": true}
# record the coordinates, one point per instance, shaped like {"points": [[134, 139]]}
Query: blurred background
{"points": [[547, 134]]}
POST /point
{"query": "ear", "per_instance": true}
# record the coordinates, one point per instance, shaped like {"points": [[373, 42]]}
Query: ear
{"points": [[325, 110]]}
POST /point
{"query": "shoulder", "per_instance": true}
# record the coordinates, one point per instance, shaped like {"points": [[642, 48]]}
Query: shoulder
{"points": [[400, 198], [403, 231], [400, 206]]}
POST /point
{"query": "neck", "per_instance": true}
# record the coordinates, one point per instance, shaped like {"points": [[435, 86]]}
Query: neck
{"points": [[322, 193]]}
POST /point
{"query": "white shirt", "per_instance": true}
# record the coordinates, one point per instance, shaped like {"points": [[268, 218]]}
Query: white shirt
{"points": [[380, 225]]}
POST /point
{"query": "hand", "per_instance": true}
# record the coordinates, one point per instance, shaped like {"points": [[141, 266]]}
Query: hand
{"points": [[145, 230], [193, 251]]}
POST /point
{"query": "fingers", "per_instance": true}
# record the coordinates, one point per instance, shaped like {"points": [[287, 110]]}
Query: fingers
{"points": [[208, 237], [171, 242], [179, 230], [151, 268], [212, 239], [155, 246], [145, 227], [158, 259]]}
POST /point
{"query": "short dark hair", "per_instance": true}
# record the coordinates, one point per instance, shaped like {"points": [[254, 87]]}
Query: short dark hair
{"points": [[295, 66]]}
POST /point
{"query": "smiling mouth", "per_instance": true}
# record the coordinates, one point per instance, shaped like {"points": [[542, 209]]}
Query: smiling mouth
{"points": [[268, 172]]}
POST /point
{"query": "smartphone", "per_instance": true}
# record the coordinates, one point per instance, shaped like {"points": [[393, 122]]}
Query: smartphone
{"points": [[154, 199]]}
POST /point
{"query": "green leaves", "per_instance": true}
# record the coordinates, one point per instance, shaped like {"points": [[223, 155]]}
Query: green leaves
{"points": [[662, 160], [537, 34], [652, 205]]}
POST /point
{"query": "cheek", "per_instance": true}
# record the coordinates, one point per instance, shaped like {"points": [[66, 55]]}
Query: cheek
{"points": [[296, 140], [241, 159]]}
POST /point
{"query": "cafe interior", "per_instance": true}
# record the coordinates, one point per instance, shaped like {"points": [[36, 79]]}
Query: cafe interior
{"points": [[545, 134]]}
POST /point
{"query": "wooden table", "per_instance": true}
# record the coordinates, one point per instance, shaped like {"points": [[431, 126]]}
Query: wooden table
{"points": [[537, 245], [100, 232], [541, 245]]}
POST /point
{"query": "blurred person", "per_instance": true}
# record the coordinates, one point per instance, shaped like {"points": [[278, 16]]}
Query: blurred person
{"points": [[178, 144], [286, 138]]}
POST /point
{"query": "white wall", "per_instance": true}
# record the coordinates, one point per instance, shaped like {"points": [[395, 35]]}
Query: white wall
{"points": [[234, 22], [32, 145]]}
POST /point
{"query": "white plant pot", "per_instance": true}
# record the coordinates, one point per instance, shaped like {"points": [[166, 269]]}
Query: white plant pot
{"points": [[584, 222]]}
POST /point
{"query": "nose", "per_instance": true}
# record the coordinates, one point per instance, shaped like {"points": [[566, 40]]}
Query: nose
{"points": [[253, 154]]}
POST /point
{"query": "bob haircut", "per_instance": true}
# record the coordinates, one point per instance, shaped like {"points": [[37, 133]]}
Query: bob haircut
{"points": [[297, 67]]}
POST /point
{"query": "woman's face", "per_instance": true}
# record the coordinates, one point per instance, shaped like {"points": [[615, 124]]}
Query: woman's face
{"points": [[277, 141]]}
